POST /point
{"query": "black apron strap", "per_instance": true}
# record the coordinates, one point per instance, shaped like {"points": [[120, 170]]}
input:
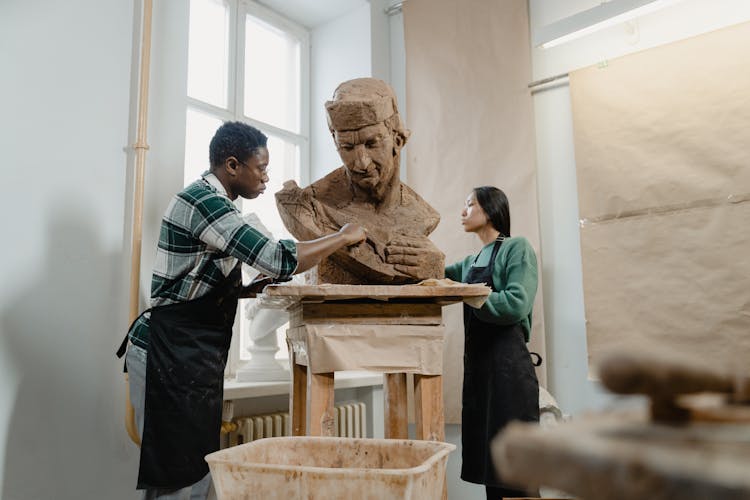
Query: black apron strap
{"points": [[124, 344], [536, 358]]}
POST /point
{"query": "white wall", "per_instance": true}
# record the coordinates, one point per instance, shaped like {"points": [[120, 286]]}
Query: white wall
{"points": [[389, 57], [339, 51], [558, 205], [166, 126], [64, 127]]}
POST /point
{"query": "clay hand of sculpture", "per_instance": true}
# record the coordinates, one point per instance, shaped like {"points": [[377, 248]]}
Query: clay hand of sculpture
{"points": [[415, 256]]}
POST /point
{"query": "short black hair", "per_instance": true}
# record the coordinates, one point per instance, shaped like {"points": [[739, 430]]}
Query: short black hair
{"points": [[235, 139], [495, 204]]}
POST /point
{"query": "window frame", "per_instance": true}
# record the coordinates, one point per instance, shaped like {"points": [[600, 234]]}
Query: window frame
{"points": [[235, 110], [238, 10]]}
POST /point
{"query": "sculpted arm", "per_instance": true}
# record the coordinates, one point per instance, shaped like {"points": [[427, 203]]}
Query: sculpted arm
{"points": [[300, 213]]}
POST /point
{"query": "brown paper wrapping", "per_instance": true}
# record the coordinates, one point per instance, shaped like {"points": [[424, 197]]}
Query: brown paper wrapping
{"points": [[381, 348], [470, 113], [663, 158]]}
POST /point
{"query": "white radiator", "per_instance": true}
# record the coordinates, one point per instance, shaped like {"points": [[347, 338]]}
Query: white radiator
{"points": [[350, 420]]}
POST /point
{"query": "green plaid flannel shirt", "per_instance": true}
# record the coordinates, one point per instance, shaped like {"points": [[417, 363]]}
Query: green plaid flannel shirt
{"points": [[203, 237]]}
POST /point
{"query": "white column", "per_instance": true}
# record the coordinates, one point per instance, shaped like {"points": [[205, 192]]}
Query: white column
{"points": [[263, 366]]}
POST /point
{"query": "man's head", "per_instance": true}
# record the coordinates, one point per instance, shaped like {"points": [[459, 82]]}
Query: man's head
{"points": [[239, 158], [369, 134]]}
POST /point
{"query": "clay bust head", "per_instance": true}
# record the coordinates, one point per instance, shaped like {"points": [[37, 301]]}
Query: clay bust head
{"points": [[367, 129]]}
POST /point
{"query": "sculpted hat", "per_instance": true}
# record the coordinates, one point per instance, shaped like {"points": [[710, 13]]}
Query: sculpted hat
{"points": [[361, 102]]}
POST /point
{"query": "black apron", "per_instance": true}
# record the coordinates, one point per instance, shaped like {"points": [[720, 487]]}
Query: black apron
{"points": [[187, 353], [499, 384]]}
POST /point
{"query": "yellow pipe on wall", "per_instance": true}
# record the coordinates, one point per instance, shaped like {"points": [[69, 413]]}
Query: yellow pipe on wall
{"points": [[141, 146]]}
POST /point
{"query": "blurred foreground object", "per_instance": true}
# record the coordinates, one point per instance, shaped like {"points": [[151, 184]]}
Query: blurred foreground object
{"points": [[694, 444]]}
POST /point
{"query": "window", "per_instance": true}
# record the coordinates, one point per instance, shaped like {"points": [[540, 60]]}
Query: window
{"points": [[247, 63]]}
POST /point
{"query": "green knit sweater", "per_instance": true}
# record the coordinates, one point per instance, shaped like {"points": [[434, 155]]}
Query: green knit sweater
{"points": [[514, 276]]}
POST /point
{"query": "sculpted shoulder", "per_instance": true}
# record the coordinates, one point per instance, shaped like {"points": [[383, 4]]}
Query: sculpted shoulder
{"points": [[333, 189], [289, 191], [428, 216]]}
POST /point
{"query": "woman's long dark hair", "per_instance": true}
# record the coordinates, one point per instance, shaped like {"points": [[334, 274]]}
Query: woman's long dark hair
{"points": [[495, 204]]}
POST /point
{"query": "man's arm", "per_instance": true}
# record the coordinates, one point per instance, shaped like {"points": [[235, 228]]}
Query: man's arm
{"points": [[310, 253], [256, 286], [216, 222]]}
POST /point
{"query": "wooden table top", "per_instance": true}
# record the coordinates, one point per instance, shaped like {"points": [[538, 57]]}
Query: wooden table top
{"points": [[282, 295]]}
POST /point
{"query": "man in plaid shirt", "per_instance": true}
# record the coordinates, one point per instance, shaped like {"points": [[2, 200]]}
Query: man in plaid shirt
{"points": [[177, 349]]}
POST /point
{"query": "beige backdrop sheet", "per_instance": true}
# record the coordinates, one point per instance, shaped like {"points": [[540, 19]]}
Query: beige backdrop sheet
{"points": [[662, 143], [470, 112]]}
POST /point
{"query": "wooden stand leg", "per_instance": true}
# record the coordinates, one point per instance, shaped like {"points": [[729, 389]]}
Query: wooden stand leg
{"points": [[428, 406], [321, 394], [395, 409], [298, 396]]}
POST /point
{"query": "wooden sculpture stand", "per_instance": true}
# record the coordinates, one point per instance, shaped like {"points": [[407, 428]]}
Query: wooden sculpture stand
{"points": [[391, 329], [340, 318]]}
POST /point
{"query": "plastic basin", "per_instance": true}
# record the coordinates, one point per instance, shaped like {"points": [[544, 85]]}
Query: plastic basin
{"points": [[330, 468]]}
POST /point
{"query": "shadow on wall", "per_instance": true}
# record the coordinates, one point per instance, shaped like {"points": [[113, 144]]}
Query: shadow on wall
{"points": [[65, 437]]}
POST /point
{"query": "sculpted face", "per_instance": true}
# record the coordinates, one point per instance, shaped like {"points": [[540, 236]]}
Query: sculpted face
{"points": [[370, 156]]}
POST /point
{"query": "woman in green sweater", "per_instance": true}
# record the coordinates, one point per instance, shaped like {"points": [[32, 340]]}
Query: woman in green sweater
{"points": [[499, 380]]}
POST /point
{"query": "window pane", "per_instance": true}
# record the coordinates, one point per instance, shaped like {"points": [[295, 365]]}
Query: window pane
{"points": [[208, 52], [272, 75], [199, 130], [283, 165]]}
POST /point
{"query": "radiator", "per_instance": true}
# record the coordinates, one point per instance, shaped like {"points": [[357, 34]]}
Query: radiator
{"points": [[350, 420]]}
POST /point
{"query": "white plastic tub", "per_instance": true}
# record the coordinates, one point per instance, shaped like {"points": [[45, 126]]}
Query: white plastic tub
{"points": [[330, 468]]}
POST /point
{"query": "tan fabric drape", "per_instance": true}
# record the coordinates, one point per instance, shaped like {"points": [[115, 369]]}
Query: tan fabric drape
{"points": [[467, 68], [662, 143]]}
